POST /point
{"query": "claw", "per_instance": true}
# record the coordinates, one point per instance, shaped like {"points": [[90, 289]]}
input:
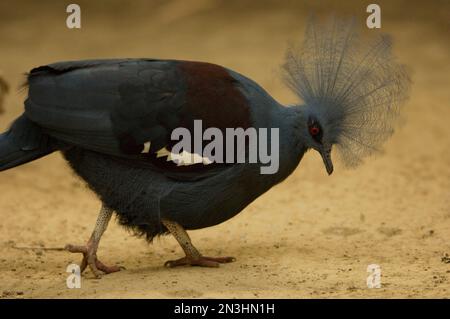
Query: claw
{"points": [[90, 259]]}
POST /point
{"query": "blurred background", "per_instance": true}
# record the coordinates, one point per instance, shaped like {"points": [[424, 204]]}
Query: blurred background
{"points": [[311, 236]]}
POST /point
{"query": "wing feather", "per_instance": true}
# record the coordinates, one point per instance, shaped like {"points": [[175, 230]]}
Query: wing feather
{"points": [[117, 107]]}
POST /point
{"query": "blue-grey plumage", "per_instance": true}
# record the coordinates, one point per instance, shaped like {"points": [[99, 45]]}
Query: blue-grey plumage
{"points": [[111, 117]]}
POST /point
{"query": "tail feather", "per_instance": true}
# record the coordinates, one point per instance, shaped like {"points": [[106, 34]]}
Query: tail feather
{"points": [[22, 143]]}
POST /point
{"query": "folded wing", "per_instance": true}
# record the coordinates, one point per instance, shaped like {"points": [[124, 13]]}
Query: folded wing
{"points": [[128, 108]]}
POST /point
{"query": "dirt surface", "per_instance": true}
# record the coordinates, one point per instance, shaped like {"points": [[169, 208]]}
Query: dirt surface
{"points": [[311, 236]]}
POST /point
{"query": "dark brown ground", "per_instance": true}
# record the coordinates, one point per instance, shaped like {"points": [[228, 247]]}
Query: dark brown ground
{"points": [[311, 236]]}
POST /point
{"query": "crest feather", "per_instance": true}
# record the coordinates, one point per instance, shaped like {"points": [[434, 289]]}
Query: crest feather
{"points": [[353, 84]]}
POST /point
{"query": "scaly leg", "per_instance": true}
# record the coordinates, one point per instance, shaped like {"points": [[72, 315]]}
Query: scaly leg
{"points": [[193, 257], [90, 250]]}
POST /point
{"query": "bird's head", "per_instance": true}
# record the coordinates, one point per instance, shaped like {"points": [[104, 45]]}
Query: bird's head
{"points": [[351, 88], [318, 137]]}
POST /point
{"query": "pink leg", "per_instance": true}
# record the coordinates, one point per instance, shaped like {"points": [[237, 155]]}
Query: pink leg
{"points": [[89, 251]]}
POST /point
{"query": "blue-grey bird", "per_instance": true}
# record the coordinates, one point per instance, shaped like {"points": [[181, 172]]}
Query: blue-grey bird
{"points": [[111, 118]]}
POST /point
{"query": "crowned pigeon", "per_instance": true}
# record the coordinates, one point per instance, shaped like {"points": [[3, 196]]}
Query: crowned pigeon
{"points": [[113, 120]]}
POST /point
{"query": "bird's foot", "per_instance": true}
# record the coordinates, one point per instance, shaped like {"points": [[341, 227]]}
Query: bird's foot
{"points": [[201, 261], [90, 259]]}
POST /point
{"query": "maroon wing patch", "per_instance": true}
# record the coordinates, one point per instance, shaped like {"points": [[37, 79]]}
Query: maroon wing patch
{"points": [[213, 97]]}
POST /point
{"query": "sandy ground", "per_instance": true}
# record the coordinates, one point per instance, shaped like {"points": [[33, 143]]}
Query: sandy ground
{"points": [[311, 236]]}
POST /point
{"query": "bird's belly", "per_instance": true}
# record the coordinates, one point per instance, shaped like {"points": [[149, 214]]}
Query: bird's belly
{"points": [[141, 196], [216, 199]]}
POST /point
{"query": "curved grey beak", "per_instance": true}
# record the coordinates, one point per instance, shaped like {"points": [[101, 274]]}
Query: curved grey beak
{"points": [[325, 152]]}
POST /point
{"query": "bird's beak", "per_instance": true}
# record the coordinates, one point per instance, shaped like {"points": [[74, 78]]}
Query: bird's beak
{"points": [[325, 152]]}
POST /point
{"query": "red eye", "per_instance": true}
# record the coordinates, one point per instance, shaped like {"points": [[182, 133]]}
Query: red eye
{"points": [[314, 130]]}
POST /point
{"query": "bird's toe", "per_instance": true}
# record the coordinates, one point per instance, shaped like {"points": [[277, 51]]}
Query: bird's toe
{"points": [[90, 259], [108, 269], [221, 260], [76, 249], [201, 261]]}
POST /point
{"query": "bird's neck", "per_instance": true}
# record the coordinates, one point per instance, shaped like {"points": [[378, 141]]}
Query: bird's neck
{"points": [[291, 148]]}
